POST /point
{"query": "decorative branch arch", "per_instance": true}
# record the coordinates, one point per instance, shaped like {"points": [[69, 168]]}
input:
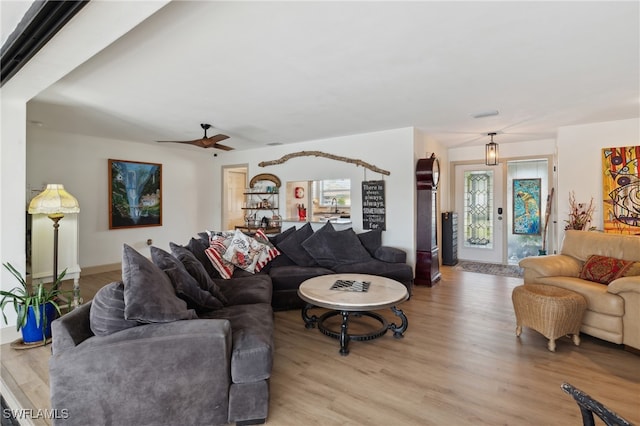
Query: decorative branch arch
{"points": [[325, 155]]}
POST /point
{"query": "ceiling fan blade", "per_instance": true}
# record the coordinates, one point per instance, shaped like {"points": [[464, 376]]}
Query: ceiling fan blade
{"points": [[217, 138], [222, 147], [193, 142]]}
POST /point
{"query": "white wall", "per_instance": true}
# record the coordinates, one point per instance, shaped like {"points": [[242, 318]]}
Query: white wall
{"points": [[392, 150], [580, 162], [99, 24], [80, 163]]}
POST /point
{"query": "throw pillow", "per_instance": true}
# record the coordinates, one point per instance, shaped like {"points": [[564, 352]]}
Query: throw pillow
{"points": [[282, 259], [217, 247], [106, 315], [603, 269], [187, 289], [633, 270], [197, 247], [292, 246], [269, 252], [148, 293], [197, 271], [331, 249], [371, 240], [186, 286], [248, 253], [276, 239]]}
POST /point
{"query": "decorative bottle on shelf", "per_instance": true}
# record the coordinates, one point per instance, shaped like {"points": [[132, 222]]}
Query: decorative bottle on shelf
{"points": [[302, 213]]}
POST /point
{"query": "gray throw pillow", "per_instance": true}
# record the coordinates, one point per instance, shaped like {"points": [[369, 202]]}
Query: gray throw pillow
{"points": [[371, 240], [186, 287], [197, 271], [292, 246], [197, 247], [331, 249], [148, 293], [106, 315]]}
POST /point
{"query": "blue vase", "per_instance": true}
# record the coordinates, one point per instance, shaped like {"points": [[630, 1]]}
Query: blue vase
{"points": [[32, 333]]}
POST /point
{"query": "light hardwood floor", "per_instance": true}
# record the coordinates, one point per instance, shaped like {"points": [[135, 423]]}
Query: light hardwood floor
{"points": [[459, 363]]}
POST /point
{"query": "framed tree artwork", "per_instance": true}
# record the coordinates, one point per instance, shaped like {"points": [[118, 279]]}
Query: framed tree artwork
{"points": [[526, 206], [135, 194]]}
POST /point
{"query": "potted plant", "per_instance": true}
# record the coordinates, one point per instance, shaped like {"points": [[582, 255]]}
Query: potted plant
{"points": [[36, 309]]}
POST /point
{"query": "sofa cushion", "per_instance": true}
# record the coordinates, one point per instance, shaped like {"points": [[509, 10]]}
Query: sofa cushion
{"points": [[197, 271], [106, 315], [598, 298], [292, 246], [390, 254], [290, 277], [252, 340], [330, 249], [396, 271], [254, 288], [198, 247], [148, 293], [603, 269], [186, 287]]}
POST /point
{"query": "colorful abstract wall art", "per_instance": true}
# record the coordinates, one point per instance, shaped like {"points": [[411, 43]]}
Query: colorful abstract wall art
{"points": [[526, 206], [621, 190]]}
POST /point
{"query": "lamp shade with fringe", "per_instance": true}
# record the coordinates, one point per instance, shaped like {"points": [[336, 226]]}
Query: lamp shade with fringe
{"points": [[54, 200]]}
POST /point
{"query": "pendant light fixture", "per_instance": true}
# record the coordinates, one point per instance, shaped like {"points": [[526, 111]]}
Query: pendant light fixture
{"points": [[491, 152]]}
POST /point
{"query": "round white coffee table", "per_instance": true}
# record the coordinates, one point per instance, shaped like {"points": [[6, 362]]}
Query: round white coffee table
{"points": [[349, 299]]}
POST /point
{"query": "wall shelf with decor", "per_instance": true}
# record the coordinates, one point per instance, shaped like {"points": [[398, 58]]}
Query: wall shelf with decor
{"points": [[261, 205]]}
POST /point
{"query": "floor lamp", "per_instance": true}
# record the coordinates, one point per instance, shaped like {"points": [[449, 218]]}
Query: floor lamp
{"points": [[55, 202]]}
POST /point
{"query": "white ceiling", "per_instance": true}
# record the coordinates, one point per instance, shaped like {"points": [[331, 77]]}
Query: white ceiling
{"points": [[283, 72]]}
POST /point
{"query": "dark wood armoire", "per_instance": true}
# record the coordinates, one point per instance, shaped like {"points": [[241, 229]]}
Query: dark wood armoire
{"points": [[427, 258]]}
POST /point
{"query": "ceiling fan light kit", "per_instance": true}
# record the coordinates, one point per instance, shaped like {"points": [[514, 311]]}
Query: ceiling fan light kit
{"points": [[491, 152], [207, 142]]}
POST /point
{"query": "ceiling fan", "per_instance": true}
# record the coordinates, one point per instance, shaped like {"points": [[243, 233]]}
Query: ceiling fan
{"points": [[207, 142]]}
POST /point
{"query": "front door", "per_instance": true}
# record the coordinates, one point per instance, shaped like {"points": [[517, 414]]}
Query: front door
{"points": [[479, 202]]}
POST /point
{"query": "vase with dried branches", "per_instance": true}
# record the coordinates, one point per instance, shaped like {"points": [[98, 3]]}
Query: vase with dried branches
{"points": [[580, 214]]}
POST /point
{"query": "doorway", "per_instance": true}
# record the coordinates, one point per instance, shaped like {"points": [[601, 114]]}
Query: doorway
{"points": [[479, 199], [488, 200], [234, 184]]}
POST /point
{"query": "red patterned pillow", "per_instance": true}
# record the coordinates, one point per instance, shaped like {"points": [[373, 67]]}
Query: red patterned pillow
{"points": [[269, 253], [218, 245], [603, 270]]}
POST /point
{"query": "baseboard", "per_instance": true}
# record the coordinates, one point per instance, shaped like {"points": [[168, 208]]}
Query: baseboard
{"points": [[9, 334], [100, 269]]}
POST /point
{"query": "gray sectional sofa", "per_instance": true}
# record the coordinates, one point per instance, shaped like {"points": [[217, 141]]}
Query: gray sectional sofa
{"points": [[161, 347], [174, 343]]}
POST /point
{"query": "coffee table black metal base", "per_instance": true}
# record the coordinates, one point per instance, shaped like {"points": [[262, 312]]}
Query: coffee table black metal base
{"points": [[343, 335]]}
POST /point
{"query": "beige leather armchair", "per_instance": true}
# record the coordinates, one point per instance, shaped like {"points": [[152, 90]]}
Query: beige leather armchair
{"points": [[613, 311]]}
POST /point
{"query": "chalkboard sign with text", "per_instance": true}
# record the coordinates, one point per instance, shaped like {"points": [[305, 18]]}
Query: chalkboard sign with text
{"points": [[373, 209]]}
